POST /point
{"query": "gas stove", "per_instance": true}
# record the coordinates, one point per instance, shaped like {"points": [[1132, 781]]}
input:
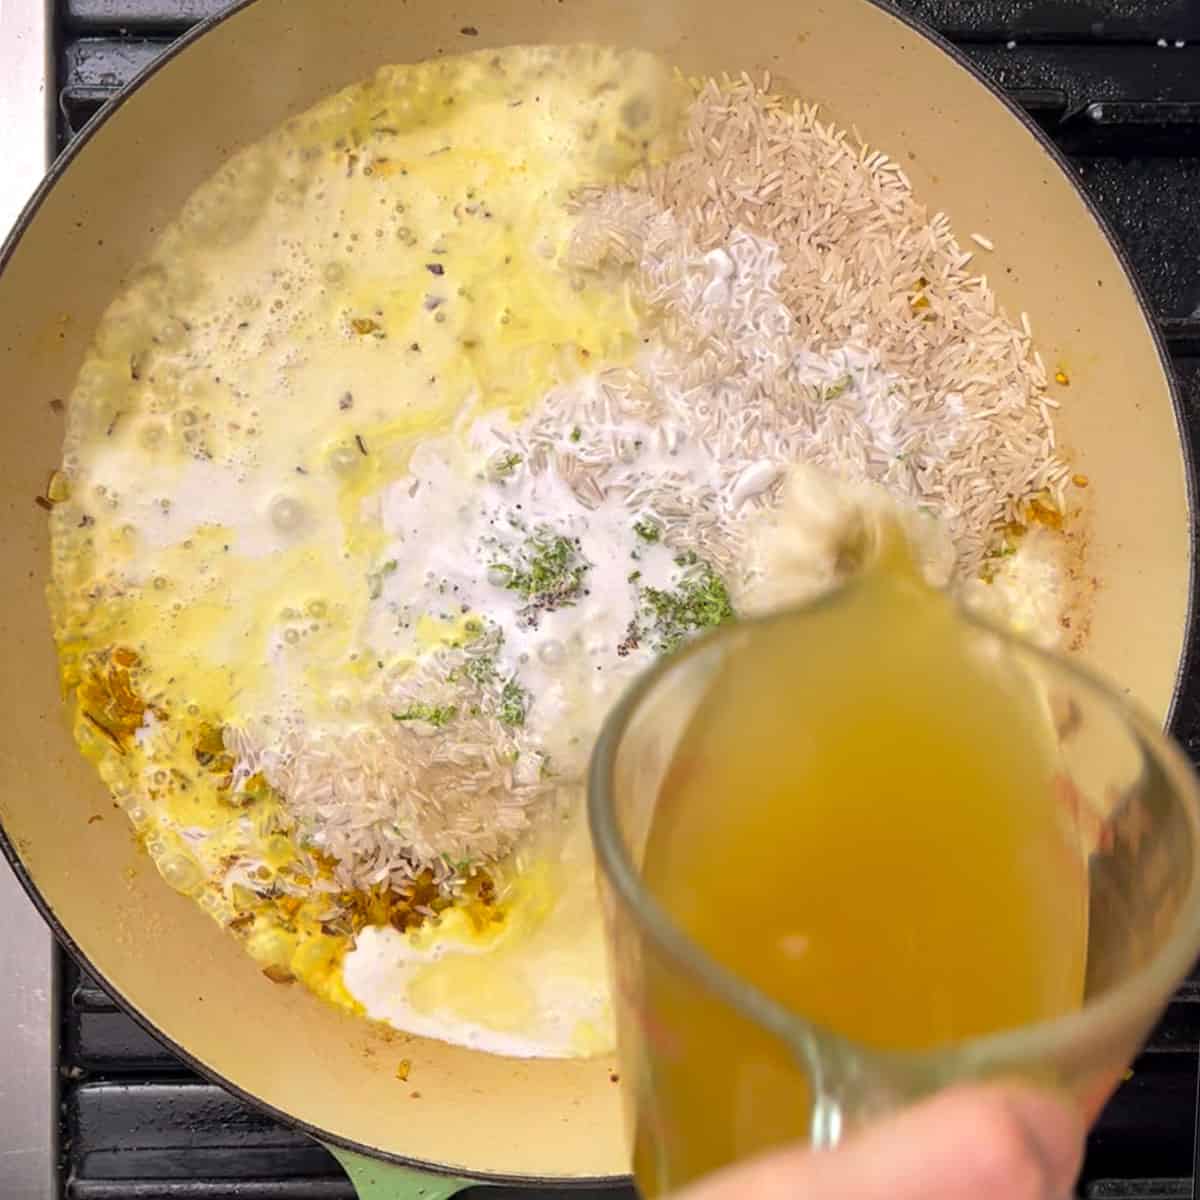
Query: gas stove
{"points": [[93, 1107]]}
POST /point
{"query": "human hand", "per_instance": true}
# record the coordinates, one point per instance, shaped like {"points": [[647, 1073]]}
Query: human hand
{"points": [[971, 1143]]}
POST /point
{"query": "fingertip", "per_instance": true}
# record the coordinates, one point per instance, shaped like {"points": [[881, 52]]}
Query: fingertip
{"points": [[1054, 1131], [977, 1142], [1007, 1141]]}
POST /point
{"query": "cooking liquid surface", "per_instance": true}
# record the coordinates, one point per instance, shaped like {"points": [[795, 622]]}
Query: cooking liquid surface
{"points": [[860, 822]]}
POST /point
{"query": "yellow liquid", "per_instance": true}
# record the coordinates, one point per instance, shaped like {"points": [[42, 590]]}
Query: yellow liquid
{"points": [[859, 821]]}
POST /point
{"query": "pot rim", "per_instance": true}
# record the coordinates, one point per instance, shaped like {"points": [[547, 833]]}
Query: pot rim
{"points": [[28, 214]]}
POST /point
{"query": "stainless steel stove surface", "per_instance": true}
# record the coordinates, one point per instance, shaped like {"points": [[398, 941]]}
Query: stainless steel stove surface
{"points": [[1115, 82]]}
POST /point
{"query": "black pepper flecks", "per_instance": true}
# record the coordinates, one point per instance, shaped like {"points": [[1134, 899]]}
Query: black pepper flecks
{"points": [[631, 641], [435, 268]]}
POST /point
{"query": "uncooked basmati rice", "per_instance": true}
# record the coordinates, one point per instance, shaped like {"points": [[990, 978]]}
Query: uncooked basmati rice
{"points": [[863, 268]]}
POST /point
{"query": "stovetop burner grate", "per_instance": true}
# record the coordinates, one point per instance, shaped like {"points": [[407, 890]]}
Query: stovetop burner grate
{"points": [[1116, 83]]}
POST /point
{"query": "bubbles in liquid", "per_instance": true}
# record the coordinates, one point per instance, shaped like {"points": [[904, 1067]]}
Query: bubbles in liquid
{"points": [[345, 459], [316, 609], [552, 652], [291, 636], [170, 335], [99, 381], [182, 873], [152, 436], [287, 515], [271, 946]]}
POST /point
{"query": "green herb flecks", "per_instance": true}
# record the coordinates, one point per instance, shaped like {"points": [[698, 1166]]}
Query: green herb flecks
{"points": [[514, 704], [576, 434], [479, 657], [647, 530], [698, 601], [837, 389], [505, 465], [375, 578], [437, 715], [547, 570], [480, 669]]}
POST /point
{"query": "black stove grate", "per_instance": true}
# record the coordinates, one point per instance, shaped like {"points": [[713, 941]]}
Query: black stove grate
{"points": [[1116, 83]]}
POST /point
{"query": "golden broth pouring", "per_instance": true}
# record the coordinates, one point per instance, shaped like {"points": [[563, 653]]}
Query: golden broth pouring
{"points": [[860, 821]]}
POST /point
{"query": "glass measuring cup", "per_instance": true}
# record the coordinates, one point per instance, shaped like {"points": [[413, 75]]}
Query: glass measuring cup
{"points": [[752, 1073]]}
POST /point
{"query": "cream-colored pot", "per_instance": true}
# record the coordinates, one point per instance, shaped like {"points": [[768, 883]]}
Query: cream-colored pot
{"points": [[479, 1116]]}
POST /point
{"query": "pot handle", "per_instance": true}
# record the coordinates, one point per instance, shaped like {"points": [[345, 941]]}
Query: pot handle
{"points": [[374, 1179]]}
